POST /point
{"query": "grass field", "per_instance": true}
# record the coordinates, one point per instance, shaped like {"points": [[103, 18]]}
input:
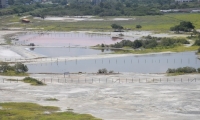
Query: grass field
{"points": [[31, 111], [13, 73], [155, 23], [156, 50]]}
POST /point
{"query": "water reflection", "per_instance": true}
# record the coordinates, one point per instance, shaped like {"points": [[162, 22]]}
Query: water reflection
{"points": [[137, 64], [66, 39], [58, 52]]}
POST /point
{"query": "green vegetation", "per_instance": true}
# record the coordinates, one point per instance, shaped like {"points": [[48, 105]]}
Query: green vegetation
{"points": [[104, 71], [31, 111], [51, 99], [151, 42], [197, 42], [18, 69], [117, 27], [183, 70], [138, 26], [183, 26], [158, 49], [86, 7], [153, 23], [198, 70], [198, 50], [33, 81]]}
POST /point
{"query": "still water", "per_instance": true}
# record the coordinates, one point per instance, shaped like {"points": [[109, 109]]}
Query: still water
{"points": [[67, 39], [72, 52], [138, 64]]}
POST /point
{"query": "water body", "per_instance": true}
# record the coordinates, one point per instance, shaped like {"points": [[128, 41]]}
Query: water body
{"points": [[138, 64], [67, 39], [72, 52]]}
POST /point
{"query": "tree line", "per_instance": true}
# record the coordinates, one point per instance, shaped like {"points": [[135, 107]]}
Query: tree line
{"points": [[17, 68], [150, 42], [183, 70], [86, 7]]}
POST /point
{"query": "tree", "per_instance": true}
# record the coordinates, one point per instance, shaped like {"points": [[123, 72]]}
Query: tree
{"points": [[137, 44], [19, 67], [183, 26], [117, 27], [4, 67], [138, 26]]}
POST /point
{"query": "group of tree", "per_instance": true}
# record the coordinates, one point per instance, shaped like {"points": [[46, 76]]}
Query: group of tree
{"points": [[150, 42], [183, 70], [86, 7], [18, 68], [185, 26], [104, 71], [117, 27]]}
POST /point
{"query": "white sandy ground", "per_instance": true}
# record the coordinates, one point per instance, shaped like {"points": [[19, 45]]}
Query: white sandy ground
{"points": [[144, 100]]}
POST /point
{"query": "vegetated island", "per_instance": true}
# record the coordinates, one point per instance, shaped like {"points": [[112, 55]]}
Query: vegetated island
{"points": [[151, 44]]}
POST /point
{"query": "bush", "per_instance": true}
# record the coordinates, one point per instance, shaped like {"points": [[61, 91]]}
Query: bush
{"points": [[182, 70], [197, 42], [183, 26], [171, 70], [18, 68], [33, 81], [102, 71], [199, 50], [198, 70]]}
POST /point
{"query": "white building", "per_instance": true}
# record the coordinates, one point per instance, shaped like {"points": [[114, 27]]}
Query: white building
{"points": [[183, 0], [3, 3]]}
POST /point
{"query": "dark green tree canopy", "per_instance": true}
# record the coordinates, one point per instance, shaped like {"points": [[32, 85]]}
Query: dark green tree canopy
{"points": [[185, 26], [117, 27], [138, 26]]}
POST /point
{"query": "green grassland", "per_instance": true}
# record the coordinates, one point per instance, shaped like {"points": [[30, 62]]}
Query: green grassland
{"points": [[158, 49], [31, 111], [13, 73], [155, 23]]}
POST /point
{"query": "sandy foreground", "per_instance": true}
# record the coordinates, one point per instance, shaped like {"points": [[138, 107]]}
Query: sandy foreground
{"points": [[124, 96]]}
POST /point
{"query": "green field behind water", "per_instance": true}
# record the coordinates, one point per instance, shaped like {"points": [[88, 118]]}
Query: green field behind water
{"points": [[154, 23]]}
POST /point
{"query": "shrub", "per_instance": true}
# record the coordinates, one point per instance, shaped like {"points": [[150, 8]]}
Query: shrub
{"points": [[198, 70], [171, 70], [197, 42], [33, 81], [111, 71], [182, 70], [102, 71], [186, 70], [199, 50]]}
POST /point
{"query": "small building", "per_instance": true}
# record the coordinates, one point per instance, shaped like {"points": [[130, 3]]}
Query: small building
{"points": [[26, 21]]}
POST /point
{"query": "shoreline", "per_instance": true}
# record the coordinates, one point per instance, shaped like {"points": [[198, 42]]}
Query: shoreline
{"points": [[29, 56]]}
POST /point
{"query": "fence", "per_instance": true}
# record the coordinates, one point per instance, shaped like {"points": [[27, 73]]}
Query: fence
{"points": [[109, 80]]}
